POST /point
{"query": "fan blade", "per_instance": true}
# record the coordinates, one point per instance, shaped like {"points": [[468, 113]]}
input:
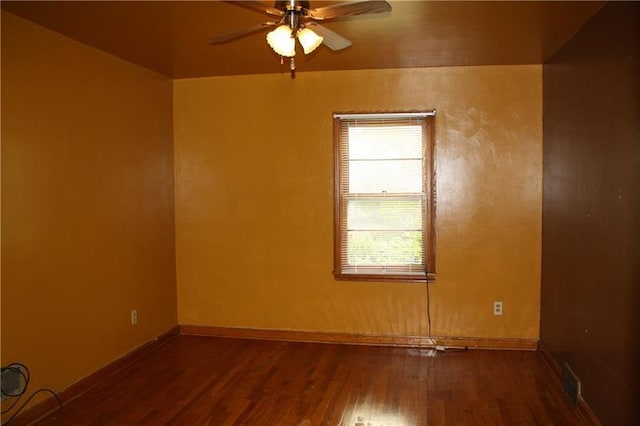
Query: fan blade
{"points": [[258, 6], [331, 39], [349, 9], [241, 33]]}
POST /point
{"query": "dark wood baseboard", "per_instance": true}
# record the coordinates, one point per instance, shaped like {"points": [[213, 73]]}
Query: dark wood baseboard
{"points": [[50, 404], [583, 409], [360, 339]]}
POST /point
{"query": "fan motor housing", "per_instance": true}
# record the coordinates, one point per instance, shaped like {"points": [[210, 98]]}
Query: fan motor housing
{"points": [[291, 5]]}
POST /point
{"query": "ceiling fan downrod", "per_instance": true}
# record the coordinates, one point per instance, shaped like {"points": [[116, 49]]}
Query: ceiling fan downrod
{"points": [[293, 14], [293, 18]]}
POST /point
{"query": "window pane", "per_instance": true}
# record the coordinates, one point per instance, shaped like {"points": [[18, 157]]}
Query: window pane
{"points": [[384, 248], [380, 176], [381, 142], [384, 213]]}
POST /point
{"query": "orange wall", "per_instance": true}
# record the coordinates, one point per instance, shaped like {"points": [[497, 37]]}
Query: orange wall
{"points": [[87, 205], [254, 201]]}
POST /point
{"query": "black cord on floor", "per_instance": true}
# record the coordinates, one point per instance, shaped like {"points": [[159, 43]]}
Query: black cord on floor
{"points": [[29, 399], [428, 309], [463, 349], [20, 369]]}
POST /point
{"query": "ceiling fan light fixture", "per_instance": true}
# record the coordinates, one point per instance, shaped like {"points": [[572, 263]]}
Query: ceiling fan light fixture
{"points": [[309, 40], [281, 41]]}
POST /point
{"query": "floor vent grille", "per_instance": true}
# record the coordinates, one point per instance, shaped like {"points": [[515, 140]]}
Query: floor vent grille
{"points": [[571, 383]]}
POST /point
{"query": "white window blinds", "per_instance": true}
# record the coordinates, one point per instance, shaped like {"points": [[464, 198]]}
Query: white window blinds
{"points": [[383, 177]]}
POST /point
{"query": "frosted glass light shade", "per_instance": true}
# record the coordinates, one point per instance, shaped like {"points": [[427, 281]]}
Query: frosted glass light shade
{"points": [[309, 40], [281, 41]]}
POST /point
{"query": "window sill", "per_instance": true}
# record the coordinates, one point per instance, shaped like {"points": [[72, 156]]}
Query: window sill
{"points": [[413, 278]]}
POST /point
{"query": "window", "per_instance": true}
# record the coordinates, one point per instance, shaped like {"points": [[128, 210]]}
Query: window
{"points": [[384, 197]]}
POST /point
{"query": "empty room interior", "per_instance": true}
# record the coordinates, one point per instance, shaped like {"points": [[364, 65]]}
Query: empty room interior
{"points": [[199, 227]]}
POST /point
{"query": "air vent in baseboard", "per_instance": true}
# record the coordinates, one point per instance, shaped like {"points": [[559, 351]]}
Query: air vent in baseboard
{"points": [[571, 383]]}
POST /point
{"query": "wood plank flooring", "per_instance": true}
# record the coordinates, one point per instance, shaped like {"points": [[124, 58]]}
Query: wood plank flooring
{"points": [[215, 381]]}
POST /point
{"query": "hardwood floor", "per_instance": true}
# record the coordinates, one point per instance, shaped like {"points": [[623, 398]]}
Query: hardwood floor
{"points": [[216, 381]]}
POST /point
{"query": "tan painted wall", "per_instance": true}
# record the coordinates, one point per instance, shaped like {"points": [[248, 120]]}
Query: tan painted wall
{"points": [[254, 201], [87, 205]]}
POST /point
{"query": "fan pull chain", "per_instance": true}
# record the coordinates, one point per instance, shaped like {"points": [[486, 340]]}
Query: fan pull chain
{"points": [[292, 67]]}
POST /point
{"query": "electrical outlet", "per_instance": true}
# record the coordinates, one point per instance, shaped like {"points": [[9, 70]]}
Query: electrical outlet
{"points": [[134, 317], [497, 307]]}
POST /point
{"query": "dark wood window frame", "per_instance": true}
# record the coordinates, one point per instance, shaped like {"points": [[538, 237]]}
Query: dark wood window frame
{"points": [[343, 271]]}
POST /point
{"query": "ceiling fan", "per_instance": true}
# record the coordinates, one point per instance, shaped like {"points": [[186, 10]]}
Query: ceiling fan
{"points": [[296, 20]]}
